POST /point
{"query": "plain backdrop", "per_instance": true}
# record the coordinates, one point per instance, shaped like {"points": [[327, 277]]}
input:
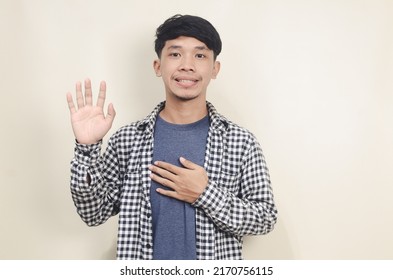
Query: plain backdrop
{"points": [[313, 80]]}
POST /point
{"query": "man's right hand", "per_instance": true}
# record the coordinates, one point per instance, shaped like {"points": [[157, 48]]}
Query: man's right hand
{"points": [[89, 123]]}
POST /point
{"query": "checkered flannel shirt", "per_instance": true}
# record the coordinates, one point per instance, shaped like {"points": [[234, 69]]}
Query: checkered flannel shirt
{"points": [[237, 201]]}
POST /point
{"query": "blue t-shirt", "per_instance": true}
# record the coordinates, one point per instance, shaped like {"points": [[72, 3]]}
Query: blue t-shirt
{"points": [[174, 220]]}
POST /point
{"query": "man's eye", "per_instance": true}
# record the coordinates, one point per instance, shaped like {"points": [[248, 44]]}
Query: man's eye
{"points": [[174, 54], [199, 55]]}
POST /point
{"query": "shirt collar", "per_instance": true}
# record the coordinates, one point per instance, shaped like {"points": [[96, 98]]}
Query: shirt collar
{"points": [[217, 121]]}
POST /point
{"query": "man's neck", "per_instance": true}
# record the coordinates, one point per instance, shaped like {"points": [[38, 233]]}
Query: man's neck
{"points": [[184, 112]]}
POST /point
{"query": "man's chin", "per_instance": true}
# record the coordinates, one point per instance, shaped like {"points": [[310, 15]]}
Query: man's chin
{"points": [[186, 97]]}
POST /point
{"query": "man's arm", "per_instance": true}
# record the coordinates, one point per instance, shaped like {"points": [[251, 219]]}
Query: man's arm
{"points": [[251, 211], [95, 183], [93, 196]]}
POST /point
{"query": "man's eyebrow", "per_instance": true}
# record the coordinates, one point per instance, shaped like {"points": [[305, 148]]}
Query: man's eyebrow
{"points": [[174, 47], [201, 48]]}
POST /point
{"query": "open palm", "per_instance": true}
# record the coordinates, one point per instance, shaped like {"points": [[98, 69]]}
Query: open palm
{"points": [[89, 122]]}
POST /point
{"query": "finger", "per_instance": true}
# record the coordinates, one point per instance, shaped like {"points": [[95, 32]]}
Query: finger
{"points": [[70, 102], [167, 166], [163, 181], [101, 95], [88, 92], [111, 114], [168, 193], [163, 173], [79, 96], [188, 164]]}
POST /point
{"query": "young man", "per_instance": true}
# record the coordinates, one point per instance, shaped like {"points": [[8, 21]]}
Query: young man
{"points": [[186, 182]]}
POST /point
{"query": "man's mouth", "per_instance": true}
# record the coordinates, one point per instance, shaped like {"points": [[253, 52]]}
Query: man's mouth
{"points": [[186, 82]]}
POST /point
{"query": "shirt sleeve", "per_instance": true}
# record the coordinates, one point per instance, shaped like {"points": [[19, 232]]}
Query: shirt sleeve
{"points": [[94, 183], [251, 211]]}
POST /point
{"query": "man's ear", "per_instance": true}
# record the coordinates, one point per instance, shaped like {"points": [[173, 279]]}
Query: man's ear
{"points": [[157, 67], [216, 69]]}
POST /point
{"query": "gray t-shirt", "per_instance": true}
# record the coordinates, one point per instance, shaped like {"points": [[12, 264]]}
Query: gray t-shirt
{"points": [[174, 220]]}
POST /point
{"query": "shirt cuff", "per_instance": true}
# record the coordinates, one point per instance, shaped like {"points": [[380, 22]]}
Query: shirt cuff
{"points": [[212, 200], [87, 154]]}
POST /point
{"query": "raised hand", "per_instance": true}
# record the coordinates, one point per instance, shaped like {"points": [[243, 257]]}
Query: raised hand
{"points": [[89, 122]]}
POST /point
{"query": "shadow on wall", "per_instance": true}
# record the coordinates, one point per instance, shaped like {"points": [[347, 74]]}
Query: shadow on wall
{"points": [[110, 254], [273, 246], [145, 89]]}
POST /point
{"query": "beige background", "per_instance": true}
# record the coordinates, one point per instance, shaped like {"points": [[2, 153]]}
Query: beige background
{"points": [[312, 79]]}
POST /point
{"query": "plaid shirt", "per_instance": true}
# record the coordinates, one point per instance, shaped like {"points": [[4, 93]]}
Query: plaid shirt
{"points": [[238, 200]]}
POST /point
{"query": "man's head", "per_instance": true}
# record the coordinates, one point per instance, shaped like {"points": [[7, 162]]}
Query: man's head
{"points": [[188, 26]]}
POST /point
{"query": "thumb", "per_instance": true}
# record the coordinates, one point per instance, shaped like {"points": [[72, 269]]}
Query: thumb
{"points": [[188, 164], [111, 113]]}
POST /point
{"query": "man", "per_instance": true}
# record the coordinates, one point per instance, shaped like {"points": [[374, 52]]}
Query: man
{"points": [[186, 182]]}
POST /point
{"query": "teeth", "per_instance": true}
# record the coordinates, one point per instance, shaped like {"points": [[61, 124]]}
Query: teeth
{"points": [[186, 81]]}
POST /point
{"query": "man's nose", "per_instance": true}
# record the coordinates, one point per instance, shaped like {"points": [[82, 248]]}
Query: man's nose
{"points": [[187, 64]]}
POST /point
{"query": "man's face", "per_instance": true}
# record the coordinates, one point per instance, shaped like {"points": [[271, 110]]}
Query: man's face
{"points": [[186, 67]]}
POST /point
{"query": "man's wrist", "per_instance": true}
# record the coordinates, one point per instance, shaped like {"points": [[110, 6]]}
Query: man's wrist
{"points": [[86, 154], [210, 200]]}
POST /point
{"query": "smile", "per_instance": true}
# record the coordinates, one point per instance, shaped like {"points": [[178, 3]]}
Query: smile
{"points": [[186, 82]]}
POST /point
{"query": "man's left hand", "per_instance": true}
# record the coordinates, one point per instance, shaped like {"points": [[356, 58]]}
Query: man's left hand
{"points": [[187, 183]]}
